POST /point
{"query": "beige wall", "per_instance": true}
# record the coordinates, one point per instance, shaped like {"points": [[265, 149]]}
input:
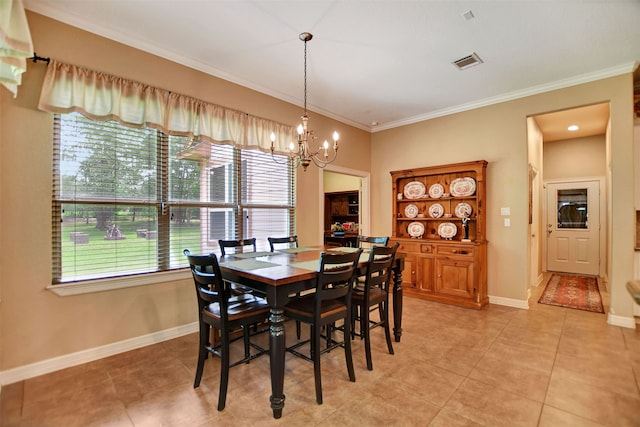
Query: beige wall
{"points": [[498, 134], [536, 167], [35, 323], [575, 158], [340, 182]]}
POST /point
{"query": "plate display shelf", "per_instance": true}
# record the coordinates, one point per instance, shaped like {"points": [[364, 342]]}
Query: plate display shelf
{"points": [[440, 266]]}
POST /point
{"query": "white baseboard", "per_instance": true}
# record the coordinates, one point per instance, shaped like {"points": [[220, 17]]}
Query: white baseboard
{"points": [[50, 365], [509, 302], [622, 321]]}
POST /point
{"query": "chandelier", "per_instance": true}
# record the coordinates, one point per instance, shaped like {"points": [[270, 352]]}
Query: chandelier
{"points": [[308, 151]]}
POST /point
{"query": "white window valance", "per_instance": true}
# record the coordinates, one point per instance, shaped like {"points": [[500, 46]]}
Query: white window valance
{"points": [[15, 44], [100, 96]]}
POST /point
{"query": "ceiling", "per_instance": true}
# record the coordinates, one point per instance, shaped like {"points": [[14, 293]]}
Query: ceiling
{"points": [[376, 64]]}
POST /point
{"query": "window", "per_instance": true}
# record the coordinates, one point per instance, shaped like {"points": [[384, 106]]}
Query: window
{"points": [[128, 200], [572, 208]]}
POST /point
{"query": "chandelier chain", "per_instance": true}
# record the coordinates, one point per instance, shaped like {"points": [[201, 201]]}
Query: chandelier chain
{"points": [[305, 77]]}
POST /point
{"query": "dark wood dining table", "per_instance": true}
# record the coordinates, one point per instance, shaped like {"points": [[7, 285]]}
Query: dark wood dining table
{"points": [[280, 274]]}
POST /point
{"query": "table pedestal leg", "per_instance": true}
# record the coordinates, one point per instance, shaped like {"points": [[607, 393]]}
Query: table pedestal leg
{"points": [[397, 299], [277, 355]]}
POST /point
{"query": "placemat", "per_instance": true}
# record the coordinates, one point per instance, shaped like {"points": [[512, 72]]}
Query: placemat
{"points": [[248, 264], [251, 254], [307, 265], [343, 249], [315, 264], [296, 250]]}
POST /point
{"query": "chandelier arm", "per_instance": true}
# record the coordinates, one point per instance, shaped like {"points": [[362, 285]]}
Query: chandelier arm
{"points": [[321, 163]]}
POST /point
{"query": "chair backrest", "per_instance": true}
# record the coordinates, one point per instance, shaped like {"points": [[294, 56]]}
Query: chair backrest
{"points": [[336, 276], [224, 244], [291, 241], [207, 277], [372, 240], [379, 269]]}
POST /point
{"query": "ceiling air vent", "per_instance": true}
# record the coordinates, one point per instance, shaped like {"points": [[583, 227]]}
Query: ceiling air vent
{"points": [[467, 61]]}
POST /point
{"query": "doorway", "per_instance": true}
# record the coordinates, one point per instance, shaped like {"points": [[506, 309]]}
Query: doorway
{"points": [[568, 165], [573, 227], [353, 179]]}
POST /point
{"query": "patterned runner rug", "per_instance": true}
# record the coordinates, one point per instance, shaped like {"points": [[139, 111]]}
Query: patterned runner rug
{"points": [[573, 291]]}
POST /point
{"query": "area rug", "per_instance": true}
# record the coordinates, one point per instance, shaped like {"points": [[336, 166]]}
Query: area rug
{"points": [[573, 291]]}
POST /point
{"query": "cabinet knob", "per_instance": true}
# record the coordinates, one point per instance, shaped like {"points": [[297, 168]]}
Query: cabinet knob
{"points": [[455, 251]]}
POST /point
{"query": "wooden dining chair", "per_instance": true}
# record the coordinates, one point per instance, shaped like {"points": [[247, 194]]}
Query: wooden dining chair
{"points": [[369, 241], [330, 303], [237, 245], [291, 242], [373, 293], [217, 308]]}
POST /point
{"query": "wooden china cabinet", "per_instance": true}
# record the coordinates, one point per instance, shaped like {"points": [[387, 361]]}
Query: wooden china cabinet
{"points": [[432, 206]]}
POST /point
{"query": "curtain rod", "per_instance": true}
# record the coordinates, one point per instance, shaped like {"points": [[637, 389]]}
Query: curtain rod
{"points": [[37, 58]]}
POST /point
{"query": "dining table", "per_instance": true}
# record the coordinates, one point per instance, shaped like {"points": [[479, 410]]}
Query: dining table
{"points": [[279, 275]]}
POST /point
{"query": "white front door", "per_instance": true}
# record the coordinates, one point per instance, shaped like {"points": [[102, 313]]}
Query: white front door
{"points": [[573, 227]]}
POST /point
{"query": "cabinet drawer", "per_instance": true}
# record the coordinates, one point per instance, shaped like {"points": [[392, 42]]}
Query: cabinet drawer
{"points": [[467, 251], [408, 247], [426, 249]]}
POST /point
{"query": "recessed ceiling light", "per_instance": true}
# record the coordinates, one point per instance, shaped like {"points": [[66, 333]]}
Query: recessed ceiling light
{"points": [[573, 128]]}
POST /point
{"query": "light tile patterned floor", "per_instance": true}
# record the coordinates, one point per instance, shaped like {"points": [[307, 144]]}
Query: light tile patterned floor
{"points": [[547, 366]]}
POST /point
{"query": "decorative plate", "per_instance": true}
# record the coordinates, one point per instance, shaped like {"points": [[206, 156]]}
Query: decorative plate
{"points": [[436, 191], [411, 211], [436, 210], [416, 230], [461, 187], [463, 210], [447, 230], [414, 190]]}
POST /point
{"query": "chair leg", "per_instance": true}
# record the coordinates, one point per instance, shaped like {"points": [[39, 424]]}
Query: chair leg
{"points": [[298, 329], [354, 317], [366, 332], [384, 313], [224, 369], [347, 350], [202, 353], [315, 354], [245, 332]]}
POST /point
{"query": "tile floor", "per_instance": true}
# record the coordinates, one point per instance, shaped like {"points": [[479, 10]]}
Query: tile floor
{"points": [[500, 366]]}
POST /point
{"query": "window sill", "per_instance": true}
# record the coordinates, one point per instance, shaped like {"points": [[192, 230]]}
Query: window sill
{"points": [[92, 286]]}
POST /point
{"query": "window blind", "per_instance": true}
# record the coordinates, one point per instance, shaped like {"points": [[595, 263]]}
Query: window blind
{"points": [[128, 200]]}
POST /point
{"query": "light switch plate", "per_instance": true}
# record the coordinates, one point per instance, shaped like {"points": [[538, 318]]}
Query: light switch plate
{"points": [[507, 222], [505, 211]]}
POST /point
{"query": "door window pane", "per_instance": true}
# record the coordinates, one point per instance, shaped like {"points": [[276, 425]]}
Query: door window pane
{"points": [[572, 208]]}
